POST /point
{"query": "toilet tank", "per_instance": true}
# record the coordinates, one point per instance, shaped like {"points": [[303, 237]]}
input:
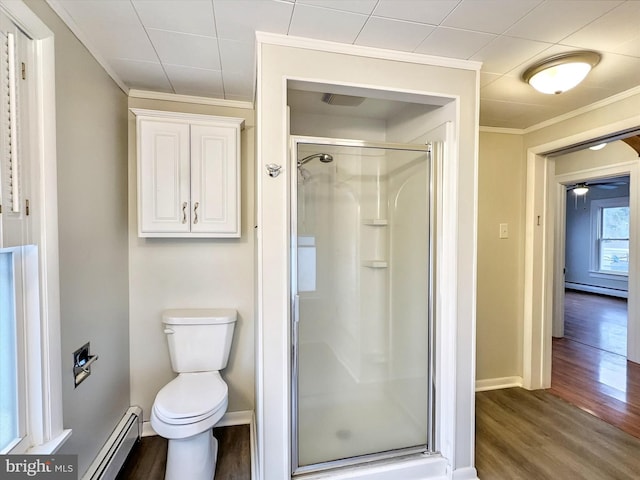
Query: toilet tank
{"points": [[199, 339]]}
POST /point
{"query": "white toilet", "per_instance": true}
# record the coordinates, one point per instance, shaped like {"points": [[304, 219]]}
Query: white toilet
{"points": [[186, 409]]}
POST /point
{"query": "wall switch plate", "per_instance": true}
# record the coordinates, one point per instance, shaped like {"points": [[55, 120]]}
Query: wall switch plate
{"points": [[504, 230]]}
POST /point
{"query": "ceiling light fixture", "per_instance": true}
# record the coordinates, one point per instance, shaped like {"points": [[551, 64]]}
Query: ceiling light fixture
{"points": [[598, 147], [580, 189], [561, 72]]}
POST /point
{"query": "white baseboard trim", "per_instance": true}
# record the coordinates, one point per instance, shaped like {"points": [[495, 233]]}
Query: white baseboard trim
{"points": [[116, 449], [612, 292], [498, 383], [244, 417]]}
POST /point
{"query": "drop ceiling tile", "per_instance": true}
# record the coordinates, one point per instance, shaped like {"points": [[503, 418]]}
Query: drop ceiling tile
{"points": [[195, 81], [325, 24], [239, 84], [490, 16], [615, 72], [431, 12], [186, 50], [98, 20], [505, 53], [240, 19], [512, 89], [185, 16], [237, 56], [618, 31], [488, 78], [393, 34], [451, 42], [141, 75], [553, 21], [551, 51], [496, 113], [354, 6]]}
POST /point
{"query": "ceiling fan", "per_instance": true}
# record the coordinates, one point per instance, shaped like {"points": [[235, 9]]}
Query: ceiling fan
{"points": [[581, 188]]}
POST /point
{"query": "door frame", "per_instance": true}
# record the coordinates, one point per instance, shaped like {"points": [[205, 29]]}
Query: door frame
{"points": [[561, 182], [539, 255]]}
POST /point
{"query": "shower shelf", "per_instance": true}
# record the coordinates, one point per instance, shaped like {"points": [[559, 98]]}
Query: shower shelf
{"points": [[376, 222], [375, 264]]}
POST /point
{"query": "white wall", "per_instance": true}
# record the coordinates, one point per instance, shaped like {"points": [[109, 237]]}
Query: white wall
{"points": [[189, 273], [92, 191]]}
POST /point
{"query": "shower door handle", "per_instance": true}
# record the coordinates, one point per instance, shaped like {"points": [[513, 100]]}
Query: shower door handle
{"points": [[296, 308]]}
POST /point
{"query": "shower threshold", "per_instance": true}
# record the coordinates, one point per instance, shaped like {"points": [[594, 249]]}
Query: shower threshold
{"points": [[408, 464]]}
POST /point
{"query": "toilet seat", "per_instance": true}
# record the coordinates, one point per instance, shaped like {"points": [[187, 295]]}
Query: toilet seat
{"points": [[191, 398]]}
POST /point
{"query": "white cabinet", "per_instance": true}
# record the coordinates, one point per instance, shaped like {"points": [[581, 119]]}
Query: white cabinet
{"points": [[188, 174]]}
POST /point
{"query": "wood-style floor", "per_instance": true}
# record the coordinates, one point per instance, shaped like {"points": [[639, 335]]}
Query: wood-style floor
{"points": [[589, 365], [148, 458], [587, 426], [535, 435]]}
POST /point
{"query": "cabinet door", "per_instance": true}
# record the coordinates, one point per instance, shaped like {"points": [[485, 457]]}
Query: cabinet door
{"points": [[163, 178], [215, 180]]}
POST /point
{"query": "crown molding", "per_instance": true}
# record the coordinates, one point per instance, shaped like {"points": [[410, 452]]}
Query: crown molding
{"points": [[174, 97], [505, 130], [586, 109], [363, 51]]}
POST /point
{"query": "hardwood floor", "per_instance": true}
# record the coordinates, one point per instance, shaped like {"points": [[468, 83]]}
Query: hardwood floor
{"points": [[148, 459], [596, 320], [587, 367], [530, 435]]}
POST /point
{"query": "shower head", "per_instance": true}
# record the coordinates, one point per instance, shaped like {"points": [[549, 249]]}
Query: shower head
{"points": [[324, 158]]}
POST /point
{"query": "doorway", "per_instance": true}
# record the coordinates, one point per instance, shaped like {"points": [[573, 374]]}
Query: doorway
{"points": [[544, 261]]}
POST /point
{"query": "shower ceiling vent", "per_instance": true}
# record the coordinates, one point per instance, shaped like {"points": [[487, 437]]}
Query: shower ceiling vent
{"points": [[342, 100]]}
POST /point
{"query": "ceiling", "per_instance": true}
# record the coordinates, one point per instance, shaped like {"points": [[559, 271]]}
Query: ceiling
{"points": [[207, 47]]}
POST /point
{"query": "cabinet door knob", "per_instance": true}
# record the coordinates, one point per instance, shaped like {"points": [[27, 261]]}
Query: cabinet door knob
{"points": [[184, 212], [195, 212]]}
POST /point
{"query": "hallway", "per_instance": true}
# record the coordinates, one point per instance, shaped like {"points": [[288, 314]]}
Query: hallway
{"points": [[589, 368]]}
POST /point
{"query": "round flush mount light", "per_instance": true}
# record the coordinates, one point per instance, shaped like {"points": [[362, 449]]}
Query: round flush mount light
{"points": [[598, 147], [561, 72]]}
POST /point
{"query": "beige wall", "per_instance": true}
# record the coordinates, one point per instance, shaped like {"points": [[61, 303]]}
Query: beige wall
{"points": [[91, 135], [501, 196], [501, 199], [186, 273]]}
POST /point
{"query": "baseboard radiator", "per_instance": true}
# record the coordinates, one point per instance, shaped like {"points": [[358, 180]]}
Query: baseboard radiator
{"points": [[114, 452]]}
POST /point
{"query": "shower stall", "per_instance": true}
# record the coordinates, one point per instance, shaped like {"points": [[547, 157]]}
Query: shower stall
{"points": [[361, 229]]}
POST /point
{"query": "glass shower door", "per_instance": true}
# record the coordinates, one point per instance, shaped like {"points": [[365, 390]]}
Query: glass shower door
{"points": [[361, 303]]}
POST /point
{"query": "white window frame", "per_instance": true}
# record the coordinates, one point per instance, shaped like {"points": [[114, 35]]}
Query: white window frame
{"points": [[596, 220], [43, 347]]}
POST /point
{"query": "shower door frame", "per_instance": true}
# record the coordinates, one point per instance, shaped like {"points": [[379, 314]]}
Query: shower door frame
{"points": [[294, 319]]}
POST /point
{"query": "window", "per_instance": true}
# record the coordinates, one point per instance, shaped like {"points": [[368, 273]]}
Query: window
{"points": [[12, 371], [32, 404], [610, 221], [8, 356]]}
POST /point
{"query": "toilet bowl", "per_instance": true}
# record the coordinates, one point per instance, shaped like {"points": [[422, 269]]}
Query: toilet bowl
{"points": [[186, 409]]}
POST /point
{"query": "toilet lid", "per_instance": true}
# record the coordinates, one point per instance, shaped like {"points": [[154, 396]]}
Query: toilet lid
{"points": [[191, 397]]}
